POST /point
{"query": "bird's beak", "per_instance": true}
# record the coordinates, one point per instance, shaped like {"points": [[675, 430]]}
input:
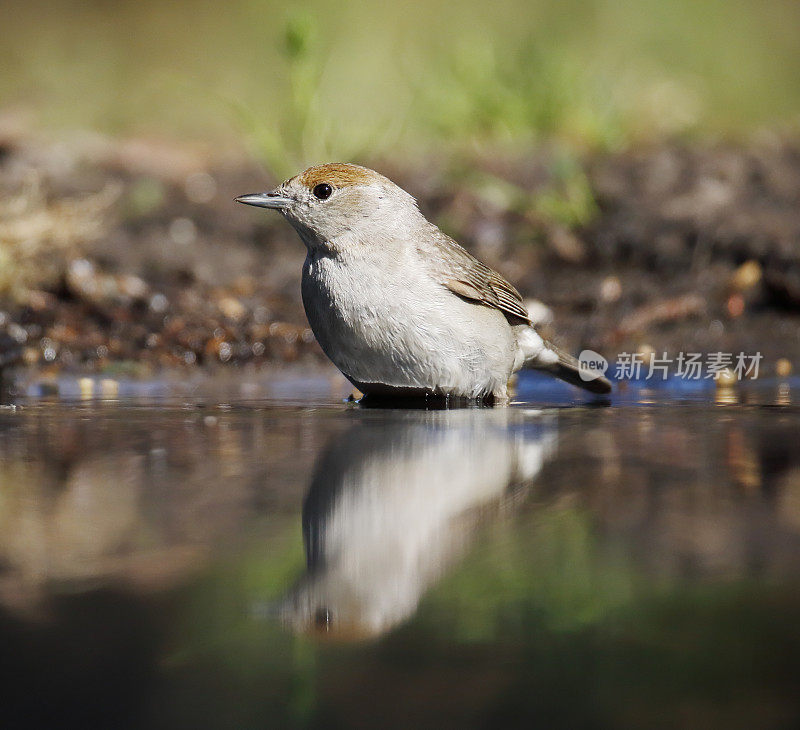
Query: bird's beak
{"points": [[265, 200]]}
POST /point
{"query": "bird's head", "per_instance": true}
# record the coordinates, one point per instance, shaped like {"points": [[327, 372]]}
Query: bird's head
{"points": [[339, 203]]}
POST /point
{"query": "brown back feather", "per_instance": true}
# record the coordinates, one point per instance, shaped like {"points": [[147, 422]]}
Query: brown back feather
{"points": [[459, 271]]}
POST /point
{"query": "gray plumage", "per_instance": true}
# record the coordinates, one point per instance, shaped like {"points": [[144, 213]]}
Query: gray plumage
{"points": [[399, 307]]}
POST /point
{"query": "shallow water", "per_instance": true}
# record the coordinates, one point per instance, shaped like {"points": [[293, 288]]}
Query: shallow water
{"points": [[168, 561]]}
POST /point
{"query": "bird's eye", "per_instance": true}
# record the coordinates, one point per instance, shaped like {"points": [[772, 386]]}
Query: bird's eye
{"points": [[322, 191]]}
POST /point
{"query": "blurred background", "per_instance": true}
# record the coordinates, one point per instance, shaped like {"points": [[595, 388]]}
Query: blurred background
{"points": [[321, 81], [632, 164]]}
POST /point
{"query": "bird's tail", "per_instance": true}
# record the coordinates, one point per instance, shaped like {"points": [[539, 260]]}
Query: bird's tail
{"points": [[544, 355], [570, 370]]}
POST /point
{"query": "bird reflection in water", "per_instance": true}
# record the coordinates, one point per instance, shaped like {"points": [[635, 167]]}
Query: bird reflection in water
{"points": [[392, 505]]}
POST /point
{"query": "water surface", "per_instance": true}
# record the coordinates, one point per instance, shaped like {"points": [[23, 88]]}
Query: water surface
{"points": [[297, 562]]}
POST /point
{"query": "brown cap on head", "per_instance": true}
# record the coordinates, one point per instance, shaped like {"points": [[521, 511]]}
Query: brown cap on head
{"points": [[339, 175]]}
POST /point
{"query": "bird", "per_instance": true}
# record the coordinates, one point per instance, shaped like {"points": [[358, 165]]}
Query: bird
{"points": [[398, 306]]}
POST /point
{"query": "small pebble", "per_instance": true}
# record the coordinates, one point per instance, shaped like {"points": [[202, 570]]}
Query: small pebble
{"points": [[610, 289], [159, 303], [746, 276], [232, 308], [735, 305], [225, 351], [30, 355], [17, 333]]}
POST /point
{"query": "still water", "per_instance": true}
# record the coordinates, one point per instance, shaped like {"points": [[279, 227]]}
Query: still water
{"points": [[305, 563]]}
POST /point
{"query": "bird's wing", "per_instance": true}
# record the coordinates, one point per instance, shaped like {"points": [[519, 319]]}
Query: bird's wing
{"points": [[464, 275]]}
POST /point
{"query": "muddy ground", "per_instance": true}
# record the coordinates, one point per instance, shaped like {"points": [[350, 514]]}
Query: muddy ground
{"points": [[131, 255]]}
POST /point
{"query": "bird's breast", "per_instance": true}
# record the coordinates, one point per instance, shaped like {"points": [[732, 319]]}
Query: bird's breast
{"points": [[392, 324], [358, 311]]}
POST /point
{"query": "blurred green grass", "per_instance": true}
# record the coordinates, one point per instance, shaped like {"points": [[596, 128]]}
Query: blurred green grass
{"points": [[320, 81]]}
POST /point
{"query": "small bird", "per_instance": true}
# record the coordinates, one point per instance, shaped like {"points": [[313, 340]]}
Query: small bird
{"points": [[398, 306]]}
